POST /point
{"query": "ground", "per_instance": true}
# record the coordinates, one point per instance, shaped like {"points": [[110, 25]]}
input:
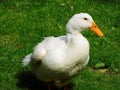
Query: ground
{"points": [[24, 23]]}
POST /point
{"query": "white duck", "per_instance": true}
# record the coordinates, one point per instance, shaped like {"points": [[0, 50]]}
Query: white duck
{"points": [[58, 59]]}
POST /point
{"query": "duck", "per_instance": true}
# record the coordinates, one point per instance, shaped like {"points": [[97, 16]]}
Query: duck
{"points": [[59, 59]]}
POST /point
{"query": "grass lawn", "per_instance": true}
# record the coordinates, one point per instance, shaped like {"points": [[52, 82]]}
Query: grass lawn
{"points": [[24, 23]]}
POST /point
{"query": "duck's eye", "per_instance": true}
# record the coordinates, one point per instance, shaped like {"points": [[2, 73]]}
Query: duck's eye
{"points": [[85, 19]]}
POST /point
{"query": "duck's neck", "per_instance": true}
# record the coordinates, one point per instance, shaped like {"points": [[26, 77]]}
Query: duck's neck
{"points": [[75, 33], [73, 38]]}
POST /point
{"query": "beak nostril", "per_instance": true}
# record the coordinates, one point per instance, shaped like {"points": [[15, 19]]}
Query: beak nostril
{"points": [[96, 29]]}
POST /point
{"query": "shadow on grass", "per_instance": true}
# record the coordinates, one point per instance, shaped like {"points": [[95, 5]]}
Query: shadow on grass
{"points": [[26, 80]]}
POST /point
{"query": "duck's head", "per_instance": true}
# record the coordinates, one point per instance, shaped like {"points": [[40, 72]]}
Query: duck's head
{"points": [[80, 22]]}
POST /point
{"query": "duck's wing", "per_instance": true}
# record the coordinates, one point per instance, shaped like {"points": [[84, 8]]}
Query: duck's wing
{"points": [[41, 49], [39, 52]]}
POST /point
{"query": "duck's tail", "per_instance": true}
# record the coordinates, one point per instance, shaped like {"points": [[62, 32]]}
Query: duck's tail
{"points": [[26, 60]]}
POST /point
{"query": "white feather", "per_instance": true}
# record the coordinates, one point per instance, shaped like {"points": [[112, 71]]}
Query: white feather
{"points": [[26, 60]]}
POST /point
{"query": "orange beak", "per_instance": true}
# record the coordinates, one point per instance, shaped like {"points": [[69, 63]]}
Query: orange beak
{"points": [[95, 29]]}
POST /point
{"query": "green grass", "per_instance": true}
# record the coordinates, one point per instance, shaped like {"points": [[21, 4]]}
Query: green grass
{"points": [[24, 23]]}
